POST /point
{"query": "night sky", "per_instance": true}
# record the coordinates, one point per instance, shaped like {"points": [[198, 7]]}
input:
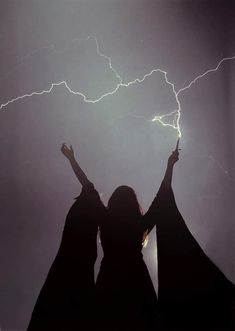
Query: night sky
{"points": [[45, 42]]}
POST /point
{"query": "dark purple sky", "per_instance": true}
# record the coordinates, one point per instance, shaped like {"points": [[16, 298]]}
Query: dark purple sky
{"points": [[115, 140]]}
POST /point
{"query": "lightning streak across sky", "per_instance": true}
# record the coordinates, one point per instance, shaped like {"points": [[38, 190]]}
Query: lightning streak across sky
{"points": [[175, 124]]}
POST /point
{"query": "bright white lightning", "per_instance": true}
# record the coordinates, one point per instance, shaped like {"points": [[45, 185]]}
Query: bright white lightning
{"points": [[158, 118], [204, 74], [175, 124]]}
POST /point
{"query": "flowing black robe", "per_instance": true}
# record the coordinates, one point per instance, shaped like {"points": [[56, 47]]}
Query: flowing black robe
{"points": [[67, 296], [126, 299], [193, 293]]}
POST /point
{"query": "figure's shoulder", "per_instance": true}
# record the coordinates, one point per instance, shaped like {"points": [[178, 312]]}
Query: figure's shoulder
{"points": [[87, 189]]}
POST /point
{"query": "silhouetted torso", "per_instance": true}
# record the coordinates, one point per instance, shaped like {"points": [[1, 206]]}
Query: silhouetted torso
{"points": [[125, 293]]}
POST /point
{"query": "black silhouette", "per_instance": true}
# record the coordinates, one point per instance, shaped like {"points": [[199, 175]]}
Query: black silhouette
{"points": [[124, 288], [67, 297], [193, 293], [125, 294]]}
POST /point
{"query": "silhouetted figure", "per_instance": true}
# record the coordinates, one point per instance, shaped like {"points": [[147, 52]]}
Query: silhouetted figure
{"points": [[67, 297], [125, 294], [193, 293]]}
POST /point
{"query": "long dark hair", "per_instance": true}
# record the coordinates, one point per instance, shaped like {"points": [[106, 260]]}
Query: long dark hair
{"points": [[123, 201]]}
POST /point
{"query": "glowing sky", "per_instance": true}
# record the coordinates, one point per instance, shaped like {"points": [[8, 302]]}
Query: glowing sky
{"points": [[115, 139]]}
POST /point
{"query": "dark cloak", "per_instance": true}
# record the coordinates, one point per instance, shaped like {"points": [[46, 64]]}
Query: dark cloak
{"points": [[66, 299], [193, 293], [126, 299]]}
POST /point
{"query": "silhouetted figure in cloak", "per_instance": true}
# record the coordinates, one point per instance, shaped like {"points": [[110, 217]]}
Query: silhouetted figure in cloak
{"points": [[126, 299], [125, 293], [67, 297], [193, 293]]}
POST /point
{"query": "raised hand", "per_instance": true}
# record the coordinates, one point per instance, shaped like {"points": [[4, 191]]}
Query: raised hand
{"points": [[173, 158], [69, 154], [67, 151]]}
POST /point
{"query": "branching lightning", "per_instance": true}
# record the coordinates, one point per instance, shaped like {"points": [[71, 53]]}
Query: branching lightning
{"points": [[175, 124]]}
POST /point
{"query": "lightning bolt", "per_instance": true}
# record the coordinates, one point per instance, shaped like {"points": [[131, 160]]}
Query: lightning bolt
{"points": [[158, 118], [204, 74], [177, 113]]}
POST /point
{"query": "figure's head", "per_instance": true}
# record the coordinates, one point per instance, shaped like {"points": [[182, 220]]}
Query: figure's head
{"points": [[124, 201]]}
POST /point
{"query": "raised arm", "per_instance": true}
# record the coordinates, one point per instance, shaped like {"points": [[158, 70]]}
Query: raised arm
{"points": [[173, 158], [164, 194], [69, 154]]}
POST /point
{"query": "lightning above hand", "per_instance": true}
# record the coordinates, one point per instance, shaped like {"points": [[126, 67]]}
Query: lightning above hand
{"points": [[175, 124]]}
